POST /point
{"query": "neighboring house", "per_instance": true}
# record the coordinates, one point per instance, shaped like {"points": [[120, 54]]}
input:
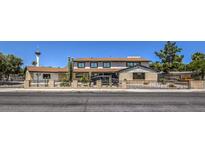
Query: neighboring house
{"points": [[45, 73]]}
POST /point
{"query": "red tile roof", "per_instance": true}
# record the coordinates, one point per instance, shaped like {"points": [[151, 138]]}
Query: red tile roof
{"points": [[47, 69], [113, 59]]}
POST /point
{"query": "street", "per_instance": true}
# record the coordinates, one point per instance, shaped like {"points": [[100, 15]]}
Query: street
{"points": [[102, 102]]}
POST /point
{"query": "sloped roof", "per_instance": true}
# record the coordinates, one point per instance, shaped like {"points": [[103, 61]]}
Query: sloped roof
{"points": [[137, 67], [47, 69], [112, 59]]}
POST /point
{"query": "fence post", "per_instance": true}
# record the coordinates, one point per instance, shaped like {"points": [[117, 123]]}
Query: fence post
{"points": [[26, 83], [124, 84], [51, 83], [196, 84], [99, 83], [75, 84]]}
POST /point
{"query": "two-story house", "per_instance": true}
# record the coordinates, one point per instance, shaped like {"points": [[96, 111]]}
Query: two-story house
{"points": [[106, 67], [110, 69]]}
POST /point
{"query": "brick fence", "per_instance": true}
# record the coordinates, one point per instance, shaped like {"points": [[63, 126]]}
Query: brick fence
{"points": [[196, 84]]}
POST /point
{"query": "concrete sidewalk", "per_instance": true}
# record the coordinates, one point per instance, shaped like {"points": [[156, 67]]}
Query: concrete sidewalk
{"points": [[99, 90]]}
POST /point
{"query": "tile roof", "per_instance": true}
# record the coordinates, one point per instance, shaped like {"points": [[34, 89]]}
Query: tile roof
{"points": [[106, 70], [47, 69], [113, 59]]}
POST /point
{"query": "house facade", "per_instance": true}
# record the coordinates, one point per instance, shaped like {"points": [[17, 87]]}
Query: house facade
{"points": [[105, 67], [110, 70], [45, 73]]}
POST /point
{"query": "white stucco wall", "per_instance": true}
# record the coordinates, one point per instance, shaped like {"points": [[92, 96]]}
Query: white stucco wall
{"points": [[113, 65], [54, 76]]}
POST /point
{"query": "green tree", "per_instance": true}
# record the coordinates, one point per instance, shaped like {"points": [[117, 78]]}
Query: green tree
{"points": [[2, 64], [10, 64], [170, 60], [197, 65]]}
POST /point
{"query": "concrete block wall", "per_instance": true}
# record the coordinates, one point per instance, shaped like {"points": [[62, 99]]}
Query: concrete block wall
{"points": [[194, 84], [151, 76], [126, 75]]}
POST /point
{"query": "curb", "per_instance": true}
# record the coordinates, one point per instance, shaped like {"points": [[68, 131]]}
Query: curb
{"points": [[102, 90]]}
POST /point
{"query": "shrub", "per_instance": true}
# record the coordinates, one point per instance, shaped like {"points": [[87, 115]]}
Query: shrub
{"points": [[171, 85], [65, 83], [84, 80]]}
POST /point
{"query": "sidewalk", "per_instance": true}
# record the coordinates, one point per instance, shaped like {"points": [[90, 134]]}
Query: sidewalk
{"points": [[99, 90]]}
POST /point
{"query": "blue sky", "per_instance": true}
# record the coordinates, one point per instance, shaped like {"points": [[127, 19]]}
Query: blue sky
{"points": [[56, 53]]}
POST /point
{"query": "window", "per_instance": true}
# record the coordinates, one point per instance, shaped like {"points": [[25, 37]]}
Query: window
{"points": [[138, 76], [80, 75], [106, 64], [132, 64], [93, 64], [46, 76], [81, 65]]}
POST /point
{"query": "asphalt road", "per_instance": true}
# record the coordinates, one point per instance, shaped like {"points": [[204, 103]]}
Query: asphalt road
{"points": [[99, 102]]}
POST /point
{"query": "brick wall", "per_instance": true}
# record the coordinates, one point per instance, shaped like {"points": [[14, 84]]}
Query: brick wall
{"points": [[151, 76], [194, 84]]}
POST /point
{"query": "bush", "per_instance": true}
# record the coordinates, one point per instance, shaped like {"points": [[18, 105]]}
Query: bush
{"points": [[84, 80], [146, 82], [162, 80], [65, 83], [171, 85]]}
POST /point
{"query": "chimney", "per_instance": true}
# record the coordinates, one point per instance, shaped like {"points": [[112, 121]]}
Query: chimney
{"points": [[37, 53]]}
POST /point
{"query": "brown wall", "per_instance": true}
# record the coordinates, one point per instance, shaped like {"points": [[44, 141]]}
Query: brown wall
{"points": [[149, 76], [197, 84]]}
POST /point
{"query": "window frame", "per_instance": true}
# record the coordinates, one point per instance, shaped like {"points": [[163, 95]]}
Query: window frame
{"points": [[95, 63], [45, 74], [106, 62], [80, 63], [142, 73], [134, 64]]}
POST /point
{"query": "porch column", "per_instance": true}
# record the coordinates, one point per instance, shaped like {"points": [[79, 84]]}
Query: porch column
{"points": [[51, 83], [26, 83], [110, 81], [75, 84], [124, 84], [99, 84]]}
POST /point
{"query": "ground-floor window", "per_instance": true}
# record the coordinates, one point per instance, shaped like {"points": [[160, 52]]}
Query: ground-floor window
{"points": [[46, 76], [140, 76], [80, 75]]}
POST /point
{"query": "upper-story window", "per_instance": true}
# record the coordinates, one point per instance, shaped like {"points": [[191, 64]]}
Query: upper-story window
{"points": [[106, 64], [132, 64], [81, 65], [93, 64]]}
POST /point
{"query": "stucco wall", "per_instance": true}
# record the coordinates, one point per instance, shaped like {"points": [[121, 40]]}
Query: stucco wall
{"points": [[113, 64], [197, 84], [149, 76], [125, 75], [28, 75], [54, 76]]}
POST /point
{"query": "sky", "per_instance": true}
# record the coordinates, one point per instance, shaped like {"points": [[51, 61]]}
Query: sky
{"points": [[55, 54]]}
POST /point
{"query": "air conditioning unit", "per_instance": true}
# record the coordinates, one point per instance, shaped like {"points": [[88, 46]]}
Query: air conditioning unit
{"points": [[133, 57]]}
